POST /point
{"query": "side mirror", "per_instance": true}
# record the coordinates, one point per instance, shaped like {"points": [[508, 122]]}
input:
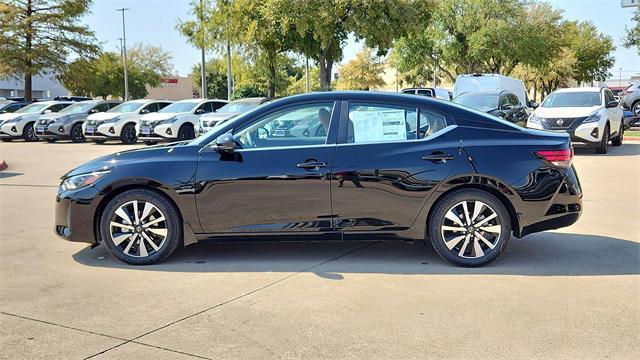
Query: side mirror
{"points": [[48, 111], [199, 111], [532, 104], [93, 111], [612, 104], [225, 143], [144, 111]]}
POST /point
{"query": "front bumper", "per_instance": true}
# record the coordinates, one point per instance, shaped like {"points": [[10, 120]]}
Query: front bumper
{"points": [[161, 132], [74, 212], [10, 131], [585, 133], [106, 131], [52, 131]]}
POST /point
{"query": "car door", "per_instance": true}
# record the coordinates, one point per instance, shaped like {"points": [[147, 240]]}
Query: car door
{"points": [[273, 182], [387, 164], [612, 112]]}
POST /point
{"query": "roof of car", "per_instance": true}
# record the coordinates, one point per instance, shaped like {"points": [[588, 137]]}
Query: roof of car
{"points": [[579, 89]]}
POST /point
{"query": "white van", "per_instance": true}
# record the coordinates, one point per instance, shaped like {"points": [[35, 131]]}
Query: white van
{"points": [[485, 82]]}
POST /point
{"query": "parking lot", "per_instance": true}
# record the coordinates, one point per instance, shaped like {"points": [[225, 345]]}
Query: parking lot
{"points": [[572, 293]]}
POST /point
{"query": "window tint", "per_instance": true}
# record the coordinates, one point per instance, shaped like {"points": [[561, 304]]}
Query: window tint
{"points": [[431, 122], [215, 105], [294, 126], [162, 105], [425, 92], [113, 104], [58, 107], [206, 107], [151, 107], [514, 100], [381, 123], [609, 96], [504, 100], [11, 108], [102, 107]]}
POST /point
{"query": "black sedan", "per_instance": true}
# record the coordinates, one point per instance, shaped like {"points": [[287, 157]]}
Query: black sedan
{"points": [[388, 166]]}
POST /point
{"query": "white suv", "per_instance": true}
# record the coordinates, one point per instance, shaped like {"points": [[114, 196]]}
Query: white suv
{"points": [[119, 123], [590, 115], [19, 124], [176, 122]]}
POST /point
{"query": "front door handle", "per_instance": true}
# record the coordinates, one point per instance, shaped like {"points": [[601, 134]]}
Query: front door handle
{"points": [[438, 157], [312, 165]]}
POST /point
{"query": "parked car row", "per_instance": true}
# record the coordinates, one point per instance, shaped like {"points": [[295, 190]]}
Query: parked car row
{"points": [[78, 119]]}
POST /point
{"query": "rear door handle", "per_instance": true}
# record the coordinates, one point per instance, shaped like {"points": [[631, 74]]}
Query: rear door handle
{"points": [[310, 165], [438, 157]]}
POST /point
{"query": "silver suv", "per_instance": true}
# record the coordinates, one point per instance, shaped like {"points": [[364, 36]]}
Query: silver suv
{"points": [[631, 99], [67, 124]]}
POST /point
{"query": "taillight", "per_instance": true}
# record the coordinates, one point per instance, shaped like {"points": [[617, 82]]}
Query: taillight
{"points": [[561, 158]]}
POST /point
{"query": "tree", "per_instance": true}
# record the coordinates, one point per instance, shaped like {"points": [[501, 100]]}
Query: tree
{"points": [[361, 73], [633, 35], [245, 91], [104, 75], [319, 28], [592, 50], [37, 36]]}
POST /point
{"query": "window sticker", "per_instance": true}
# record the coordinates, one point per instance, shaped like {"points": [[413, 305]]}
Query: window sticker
{"points": [[379, 125]]}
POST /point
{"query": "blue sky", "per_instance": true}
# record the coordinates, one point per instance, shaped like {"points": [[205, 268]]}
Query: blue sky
{"points": [[154, 21]]}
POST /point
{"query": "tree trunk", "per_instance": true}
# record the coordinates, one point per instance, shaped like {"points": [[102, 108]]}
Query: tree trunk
{"points": [[271, 77], [325, 65], [28, 62]]}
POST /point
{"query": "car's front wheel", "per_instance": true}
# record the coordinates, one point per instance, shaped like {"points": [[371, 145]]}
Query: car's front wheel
{"points": [[28, 133], [603, 146], [140, 227], [129, 135], [186, 132], [469, 227], [76, 134]]}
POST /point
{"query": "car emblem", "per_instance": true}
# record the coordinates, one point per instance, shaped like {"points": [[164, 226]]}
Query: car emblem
{"points": [[560, 122]]}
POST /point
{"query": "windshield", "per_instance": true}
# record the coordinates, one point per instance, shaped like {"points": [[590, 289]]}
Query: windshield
{"points": [[478, 101], [127, 107], [32, 109], [77, 108], [179, 107], [572, 99], [237, 107]]}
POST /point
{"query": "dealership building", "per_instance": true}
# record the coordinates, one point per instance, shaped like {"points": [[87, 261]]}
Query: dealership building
{"points": [[44, 86]]}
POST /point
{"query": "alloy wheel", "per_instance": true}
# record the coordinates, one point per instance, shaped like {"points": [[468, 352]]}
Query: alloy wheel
{"points": [[31, 135], [76, 134], [636, 108], [138, 228], [471, 229]]}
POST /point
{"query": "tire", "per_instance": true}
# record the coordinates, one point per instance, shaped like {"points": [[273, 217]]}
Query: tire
{"points": [[99, 141], [603, 146], [128, 134], [51, 141], [455, 241], [617, 141], [28, 133], [635, 108], [150, 142], [186, 132], [128, 248], [76, 134]]}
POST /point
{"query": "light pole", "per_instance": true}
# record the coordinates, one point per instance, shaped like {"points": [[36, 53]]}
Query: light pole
{"points": [[203, 77], [306, 74], [620, 84], [124, 52], [436, 54]]}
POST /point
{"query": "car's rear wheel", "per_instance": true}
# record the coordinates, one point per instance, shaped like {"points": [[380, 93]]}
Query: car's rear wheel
{"points": [[469, 227], [617, 141], [636, 108], [603, 146], [140, 227], [76, 134], [128, 135], [28, 133], [186, 132]]}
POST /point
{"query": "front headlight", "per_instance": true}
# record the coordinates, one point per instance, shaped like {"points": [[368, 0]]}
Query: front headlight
{"points": [[592, 118], [534, 119], [82, 180]]}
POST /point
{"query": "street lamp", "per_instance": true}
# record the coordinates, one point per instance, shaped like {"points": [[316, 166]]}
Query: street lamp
{"points": [[203, 77], [124, 52]]}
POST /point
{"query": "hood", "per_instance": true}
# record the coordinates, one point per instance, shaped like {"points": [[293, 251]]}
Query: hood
{"points": [[9, 116], [133, 156], [104, 116], [568, 112], [157, 116], [51, 116], [219, 116]]}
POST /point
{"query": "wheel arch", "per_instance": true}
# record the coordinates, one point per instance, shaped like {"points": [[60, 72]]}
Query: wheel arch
{"points": [[116, 189], [494, 187]]}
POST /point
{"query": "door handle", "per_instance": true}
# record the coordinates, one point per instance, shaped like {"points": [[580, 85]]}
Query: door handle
{"points": [[438, 157], [311, 165]]}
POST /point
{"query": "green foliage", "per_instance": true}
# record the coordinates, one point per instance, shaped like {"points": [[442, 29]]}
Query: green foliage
{"points": [[104, 75], [248, 90], [361, 73], [633, 35], [38, 36]]}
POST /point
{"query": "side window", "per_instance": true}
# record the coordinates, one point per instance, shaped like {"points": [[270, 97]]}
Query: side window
{"points": [[11, 108], [102, 107], [425, 92], [609, 96], [514, 100], [58, 107], [381, 123], [431, 122], [295, 126], [162, 105], [206, 107], [113, 104], [151, 107], [504, 100], [215, 105]]}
